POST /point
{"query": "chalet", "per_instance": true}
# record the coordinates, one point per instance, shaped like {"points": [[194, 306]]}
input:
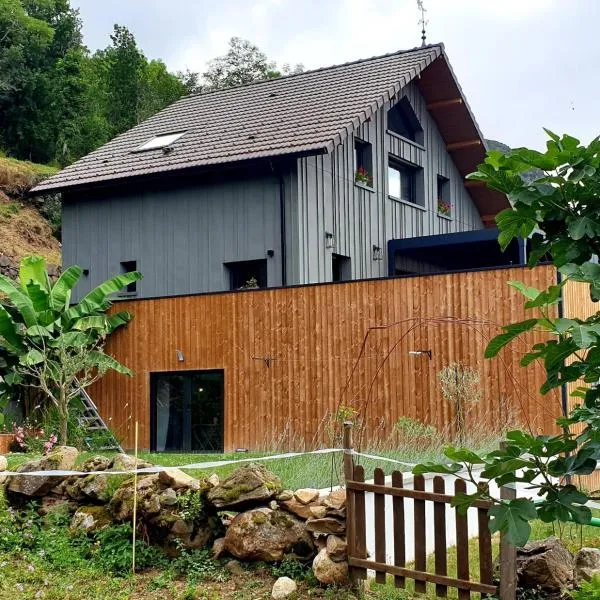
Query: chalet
{"points": [[345, 173]]}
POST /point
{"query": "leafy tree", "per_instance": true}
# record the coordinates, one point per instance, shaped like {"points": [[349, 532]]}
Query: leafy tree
{"points": [[243, 63], [51, 345], [560, 213]]}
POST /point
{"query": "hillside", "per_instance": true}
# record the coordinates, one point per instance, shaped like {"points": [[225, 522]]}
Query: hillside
{"points": [[24, 230]]}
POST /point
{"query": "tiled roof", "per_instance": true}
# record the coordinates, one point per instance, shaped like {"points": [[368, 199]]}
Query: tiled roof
{"points": [[308, 112]]}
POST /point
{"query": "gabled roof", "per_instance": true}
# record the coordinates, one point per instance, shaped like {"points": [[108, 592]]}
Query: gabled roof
{"points": [[306, 113]]}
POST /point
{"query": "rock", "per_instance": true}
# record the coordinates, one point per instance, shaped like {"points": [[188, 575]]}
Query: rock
{"points": [[95, 464], [247, 486], [337, 549], [587, 564], [55, 505], [317, 511], [283, 588], [268, 535], [326, 525], [176, 479], [297, 508], [234, 567], [3, 463], [168, 497], [124, 462], [62, 458], [336, 500], [546, 564], [213, 480], [306, 496], [121, 504], [218, 548], [328, 571], [284, 496], [90, 518]]}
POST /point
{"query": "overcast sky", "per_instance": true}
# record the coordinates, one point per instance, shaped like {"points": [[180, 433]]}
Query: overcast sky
{"points": [[523, 64]]}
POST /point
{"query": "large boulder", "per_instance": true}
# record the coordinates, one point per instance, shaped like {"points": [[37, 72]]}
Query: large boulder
{"points": [[546, 564], [587, 564], [268, 535], [62, 458], [328, 571], [124, 462], [176, 479], [90, 519], [247, 486]]}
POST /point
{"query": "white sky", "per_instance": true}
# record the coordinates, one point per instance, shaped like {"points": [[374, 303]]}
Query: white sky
{"points": [[523, 64]]}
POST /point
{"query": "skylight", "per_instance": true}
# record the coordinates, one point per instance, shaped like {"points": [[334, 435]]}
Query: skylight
{"points": [[160, 141]]}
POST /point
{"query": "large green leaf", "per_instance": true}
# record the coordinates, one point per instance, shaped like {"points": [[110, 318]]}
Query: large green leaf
{"points": [[512, 518], [38, 295], [60, 294], [21, 300], [105, 362], [512, 331], [514, 224], [33, 269], [8, 333], [94, 300]]}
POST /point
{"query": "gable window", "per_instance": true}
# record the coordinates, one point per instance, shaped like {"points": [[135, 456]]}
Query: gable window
{"points": [[247, 274], [160, 141], [363, 163], [128, 266], [402, 182], [402, 120], [444, 206]]}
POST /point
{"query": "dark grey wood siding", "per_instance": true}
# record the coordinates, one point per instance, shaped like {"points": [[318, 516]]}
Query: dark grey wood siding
{"points": [[180, 235], [329, 200]]}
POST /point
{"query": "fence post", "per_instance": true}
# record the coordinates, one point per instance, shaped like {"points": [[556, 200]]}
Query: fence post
{"points": [[350, 514], [508, 552]]}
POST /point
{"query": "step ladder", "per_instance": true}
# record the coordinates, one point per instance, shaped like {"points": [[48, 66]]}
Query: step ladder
{"points": [[90, 420]]}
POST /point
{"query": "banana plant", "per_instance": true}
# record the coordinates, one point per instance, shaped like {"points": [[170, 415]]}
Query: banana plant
{"points": [[59, 347]]}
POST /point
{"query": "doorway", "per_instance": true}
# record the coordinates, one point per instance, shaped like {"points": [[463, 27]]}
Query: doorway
{"points": [[187, 411]]}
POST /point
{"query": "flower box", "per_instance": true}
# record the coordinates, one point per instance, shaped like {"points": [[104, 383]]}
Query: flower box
{"points": [[6, 440]]}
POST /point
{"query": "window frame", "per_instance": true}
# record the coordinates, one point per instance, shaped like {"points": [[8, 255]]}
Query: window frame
{"points": [[128, 266], [411, 171], [148, 144], [363, 157]]}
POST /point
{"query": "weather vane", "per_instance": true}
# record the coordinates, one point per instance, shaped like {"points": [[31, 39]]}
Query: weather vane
{"points": [[422, 21]]}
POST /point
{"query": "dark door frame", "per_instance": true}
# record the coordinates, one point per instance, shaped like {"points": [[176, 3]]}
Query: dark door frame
{"points": [[187, 390]]}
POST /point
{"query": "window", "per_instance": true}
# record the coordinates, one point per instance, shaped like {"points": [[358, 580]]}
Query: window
{"points": [[363, 163], [247, 274], [402, 120], [160, 141], [128, 266], [444, 206], [340, 268], [401, 182]]}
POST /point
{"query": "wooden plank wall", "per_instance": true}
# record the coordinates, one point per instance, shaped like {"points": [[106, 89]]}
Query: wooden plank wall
{"points": [[314, 335], [577, 303]]}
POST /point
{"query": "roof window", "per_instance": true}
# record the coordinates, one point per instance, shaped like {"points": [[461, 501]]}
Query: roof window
{"points": [[160, 141]]}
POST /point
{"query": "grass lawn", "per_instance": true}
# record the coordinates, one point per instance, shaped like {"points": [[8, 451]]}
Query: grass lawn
{"points": [[312, 470]]}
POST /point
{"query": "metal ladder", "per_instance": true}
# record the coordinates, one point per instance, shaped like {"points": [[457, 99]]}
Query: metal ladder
{"points": [[91, 420]]}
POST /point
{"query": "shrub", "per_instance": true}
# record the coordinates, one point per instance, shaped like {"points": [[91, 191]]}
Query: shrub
{"points": [[198, 566], [294, 569], [191, 506], [589, 590], [412, 430]]}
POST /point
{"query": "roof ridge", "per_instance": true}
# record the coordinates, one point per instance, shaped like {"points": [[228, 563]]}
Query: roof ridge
{"points": [[317, 70]]}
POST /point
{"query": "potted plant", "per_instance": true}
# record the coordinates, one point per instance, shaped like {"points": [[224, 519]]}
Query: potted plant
{"points": [[444, 208], [362, 176]]}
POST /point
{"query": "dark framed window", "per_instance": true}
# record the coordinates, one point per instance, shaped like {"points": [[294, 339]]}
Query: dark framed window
{"points": [[444, 204], [340, 268], [363, 163], [247, 274], [402, 120], [402, 182], [128, 266]]}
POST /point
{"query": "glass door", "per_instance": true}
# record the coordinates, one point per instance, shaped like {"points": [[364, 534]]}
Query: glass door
{"points": [[187, 411]]}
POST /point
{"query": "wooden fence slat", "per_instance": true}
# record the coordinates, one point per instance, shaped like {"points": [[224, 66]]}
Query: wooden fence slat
{"points": [[420, 533], [360, 530], [399, 530], [485, 546], [508, 556], [462, 543], [439, 523], [379, 503]]}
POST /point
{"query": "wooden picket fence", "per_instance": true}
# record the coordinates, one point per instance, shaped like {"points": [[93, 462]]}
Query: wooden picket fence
{"points": [[359, 561]]}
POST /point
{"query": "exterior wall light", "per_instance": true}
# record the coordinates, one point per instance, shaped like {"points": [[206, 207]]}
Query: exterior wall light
{"points": [[329, 240], [420, 353], [180, 356], [377, 252]]}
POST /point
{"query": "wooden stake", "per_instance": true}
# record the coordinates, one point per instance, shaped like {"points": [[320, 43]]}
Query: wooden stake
{"points": [[135, 453]]}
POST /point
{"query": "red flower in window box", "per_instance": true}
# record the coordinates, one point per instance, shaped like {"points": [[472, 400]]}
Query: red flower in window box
{"points": [[362, 176], [444, 208]]}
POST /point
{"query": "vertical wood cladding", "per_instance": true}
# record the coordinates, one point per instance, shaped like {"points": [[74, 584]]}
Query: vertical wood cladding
{"points": [[313, 336]]}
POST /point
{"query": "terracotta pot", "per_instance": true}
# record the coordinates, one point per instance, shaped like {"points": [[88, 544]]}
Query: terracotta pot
{"points": [[6, 439]]}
